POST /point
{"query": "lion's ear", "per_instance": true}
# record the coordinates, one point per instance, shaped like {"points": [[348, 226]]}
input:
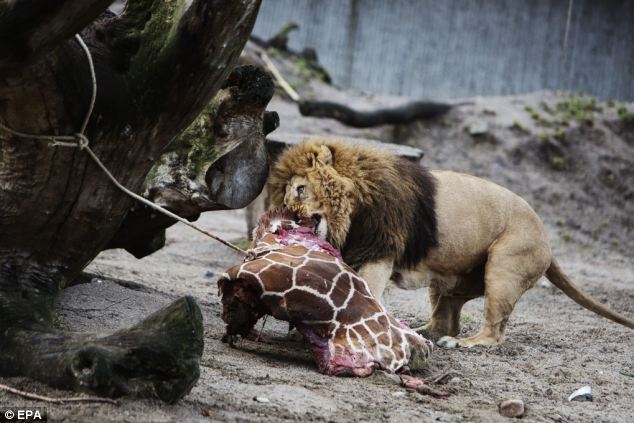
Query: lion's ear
{"points": [[324, 156]]}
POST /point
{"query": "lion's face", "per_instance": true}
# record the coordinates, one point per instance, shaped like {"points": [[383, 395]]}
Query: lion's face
{"points": [[300, 197], [307, 181]]}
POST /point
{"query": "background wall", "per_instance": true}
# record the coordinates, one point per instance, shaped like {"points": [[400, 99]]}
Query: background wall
{"points": [[458, 48]]}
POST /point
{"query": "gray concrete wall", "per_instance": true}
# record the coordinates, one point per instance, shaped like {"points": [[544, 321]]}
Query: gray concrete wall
{"points": [[458, 48]]}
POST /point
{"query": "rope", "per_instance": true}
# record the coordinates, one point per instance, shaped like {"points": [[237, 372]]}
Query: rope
{"points": [[93, 79], [33, 396], [567, 30], [79, 140], [290, 91], [259, 338]]}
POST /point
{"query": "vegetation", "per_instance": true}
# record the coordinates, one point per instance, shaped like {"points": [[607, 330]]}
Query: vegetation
{"points": [[625, 115], [558, 163]]}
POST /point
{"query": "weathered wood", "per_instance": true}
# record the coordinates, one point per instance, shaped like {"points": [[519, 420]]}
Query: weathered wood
{"points": [[220, 162], [158, 357], [398, 115], [157, 65], [31, 28]]}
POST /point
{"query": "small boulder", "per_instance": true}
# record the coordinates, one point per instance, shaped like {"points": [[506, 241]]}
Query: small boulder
{"points": [[511, 408], [582, 394], [477, 128]]}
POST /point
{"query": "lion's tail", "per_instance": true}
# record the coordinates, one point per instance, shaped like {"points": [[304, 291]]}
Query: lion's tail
{"points": [[561, 281]]}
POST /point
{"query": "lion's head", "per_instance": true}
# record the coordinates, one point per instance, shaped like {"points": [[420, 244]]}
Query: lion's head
{"points": [[374, 204], [306, 180]]}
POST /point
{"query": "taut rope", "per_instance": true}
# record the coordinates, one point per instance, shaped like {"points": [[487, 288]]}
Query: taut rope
{"points": [[79, 140]]}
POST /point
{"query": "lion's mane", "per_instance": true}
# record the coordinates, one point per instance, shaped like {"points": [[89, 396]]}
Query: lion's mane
{"points": [[381, 205]]}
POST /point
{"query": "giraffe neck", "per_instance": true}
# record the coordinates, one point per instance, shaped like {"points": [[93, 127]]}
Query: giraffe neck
{"points": [[285, 234]]}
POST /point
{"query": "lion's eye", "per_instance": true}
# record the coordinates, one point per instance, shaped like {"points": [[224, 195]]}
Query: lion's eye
{"points": [[300, 189]]}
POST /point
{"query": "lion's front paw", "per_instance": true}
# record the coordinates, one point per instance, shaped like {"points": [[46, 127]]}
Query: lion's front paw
{"points": [[450, 342]]}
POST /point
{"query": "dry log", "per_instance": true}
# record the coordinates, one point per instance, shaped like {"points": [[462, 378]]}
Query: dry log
{"points": [[220, 162], [398, 115], [158, 64]]}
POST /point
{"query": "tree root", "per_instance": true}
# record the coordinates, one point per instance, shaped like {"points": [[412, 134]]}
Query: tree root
{"points": [[159, 357]]}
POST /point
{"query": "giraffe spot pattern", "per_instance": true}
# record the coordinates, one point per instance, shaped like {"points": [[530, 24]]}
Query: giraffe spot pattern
{"points": [[312, 287]]}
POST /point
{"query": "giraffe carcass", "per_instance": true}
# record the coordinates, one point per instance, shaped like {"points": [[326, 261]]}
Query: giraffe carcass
{"points": [[295, 276]]}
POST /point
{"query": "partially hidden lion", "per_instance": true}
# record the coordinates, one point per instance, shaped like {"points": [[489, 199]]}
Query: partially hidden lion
{"points": [[462, 236]]}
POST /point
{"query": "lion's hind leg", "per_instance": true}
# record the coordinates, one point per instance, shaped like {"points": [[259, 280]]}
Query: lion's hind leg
{"points": [[445, 317], [509, 272]]}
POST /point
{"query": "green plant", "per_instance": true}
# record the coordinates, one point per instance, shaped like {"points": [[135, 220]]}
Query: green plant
{"points": [[545, 107], [558, 163], [625, 115], [533, 114], [57, 322], [516, 126], [577, 107], [565, 236], [465, 319], [446, 122], [560, 134]]}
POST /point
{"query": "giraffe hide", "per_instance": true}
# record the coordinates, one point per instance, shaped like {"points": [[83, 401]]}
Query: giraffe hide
{"points": [[294, 276]]}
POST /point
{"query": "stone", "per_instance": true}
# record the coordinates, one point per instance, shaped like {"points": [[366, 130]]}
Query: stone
{"points": [[511, 408], [477, 128], [582, 394]]}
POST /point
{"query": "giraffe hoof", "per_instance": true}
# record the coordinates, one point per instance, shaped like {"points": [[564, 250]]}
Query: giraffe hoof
{"points": [[449, 342]]}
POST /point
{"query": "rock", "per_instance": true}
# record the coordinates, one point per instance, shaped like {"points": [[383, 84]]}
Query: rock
{"points": [[582, 394], [478, 127], [263, 400], [511, 408], [399, 394]]}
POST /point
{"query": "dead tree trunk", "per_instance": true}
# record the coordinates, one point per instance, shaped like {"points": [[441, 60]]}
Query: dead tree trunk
{"points": [[158, 65]]}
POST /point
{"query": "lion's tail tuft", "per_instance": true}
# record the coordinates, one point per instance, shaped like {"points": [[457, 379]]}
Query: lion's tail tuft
{"points": [[561, 281]]}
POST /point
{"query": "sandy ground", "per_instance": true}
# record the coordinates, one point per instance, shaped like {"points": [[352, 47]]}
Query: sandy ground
{"points": [[553, 346]]}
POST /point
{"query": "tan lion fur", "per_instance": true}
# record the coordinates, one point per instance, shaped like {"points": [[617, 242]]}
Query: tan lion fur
{"points": [[460, 235], [352, 185]]}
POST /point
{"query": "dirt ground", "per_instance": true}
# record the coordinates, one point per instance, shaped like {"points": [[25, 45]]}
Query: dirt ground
{"points": [[582, 184]]}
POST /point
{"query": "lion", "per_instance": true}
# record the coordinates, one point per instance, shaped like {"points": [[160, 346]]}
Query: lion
{"points": [[461, 236]]}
